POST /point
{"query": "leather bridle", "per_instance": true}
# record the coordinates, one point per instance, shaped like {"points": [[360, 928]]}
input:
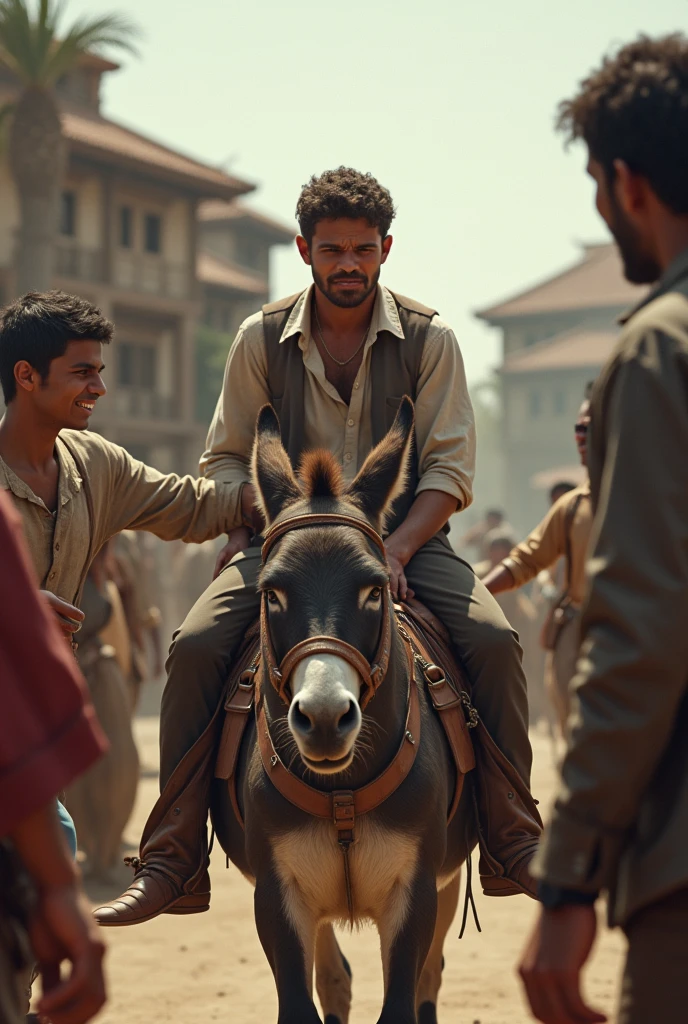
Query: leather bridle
{"points": [[371, 673]]}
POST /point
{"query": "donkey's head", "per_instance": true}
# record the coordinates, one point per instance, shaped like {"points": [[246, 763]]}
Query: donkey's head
{"points": [[327, 580]]}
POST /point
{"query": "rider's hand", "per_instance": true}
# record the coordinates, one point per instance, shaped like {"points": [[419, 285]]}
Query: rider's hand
{"points": [[63, 928], [69, 618], [396, 559], [550, 968], [237, 540]]}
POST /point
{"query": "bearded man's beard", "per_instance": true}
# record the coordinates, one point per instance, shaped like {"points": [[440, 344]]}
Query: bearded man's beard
{"points": [[346, 300], [639, 266]]}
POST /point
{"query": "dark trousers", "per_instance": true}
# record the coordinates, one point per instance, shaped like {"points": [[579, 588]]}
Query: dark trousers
{"points": [[655, 981], [203, 647]]}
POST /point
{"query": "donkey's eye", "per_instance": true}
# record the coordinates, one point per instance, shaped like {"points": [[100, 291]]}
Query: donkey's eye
{"points": [[375, 594], [273, 599]]}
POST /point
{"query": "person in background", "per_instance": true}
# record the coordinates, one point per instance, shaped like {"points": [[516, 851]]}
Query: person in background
{"points": [[493, 519], [521, 615], [563, 533], [620, 818], [48, 735]]}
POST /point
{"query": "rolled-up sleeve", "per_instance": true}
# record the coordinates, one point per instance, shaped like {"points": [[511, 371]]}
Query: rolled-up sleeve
{"points": [[170, 506], [227, 458], [632, 673], [542, 548], [445, 426], [48, 729]]}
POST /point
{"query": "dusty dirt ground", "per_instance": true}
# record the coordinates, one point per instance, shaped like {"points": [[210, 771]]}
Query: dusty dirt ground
{"points": [[210, 967]]}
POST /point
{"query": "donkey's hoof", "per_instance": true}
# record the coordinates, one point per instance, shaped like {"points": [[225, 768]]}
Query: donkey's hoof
{"points": [[427, 1013]]}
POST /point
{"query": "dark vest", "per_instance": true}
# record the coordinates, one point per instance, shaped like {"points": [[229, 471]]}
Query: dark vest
{"points": [[394, 372]]}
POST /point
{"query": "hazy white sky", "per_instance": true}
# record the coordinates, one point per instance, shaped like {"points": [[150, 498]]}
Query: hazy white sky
{"points": [[449, 103]]}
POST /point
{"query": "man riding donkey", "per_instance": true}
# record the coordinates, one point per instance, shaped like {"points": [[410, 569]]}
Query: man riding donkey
{"points": [[335, 362]]}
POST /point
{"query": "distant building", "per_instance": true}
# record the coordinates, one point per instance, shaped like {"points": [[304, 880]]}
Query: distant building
{"points": [[556, 337], [130, 241]]}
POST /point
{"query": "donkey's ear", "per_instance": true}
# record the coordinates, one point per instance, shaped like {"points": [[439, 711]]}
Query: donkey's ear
{"points": [[273, 477], [383, 475]]}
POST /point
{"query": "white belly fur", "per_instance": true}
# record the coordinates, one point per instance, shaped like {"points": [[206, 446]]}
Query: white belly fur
{"points": [[310, 867]]}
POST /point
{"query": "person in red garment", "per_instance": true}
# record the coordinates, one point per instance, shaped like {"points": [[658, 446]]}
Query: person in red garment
{"points": [[48, 735]]}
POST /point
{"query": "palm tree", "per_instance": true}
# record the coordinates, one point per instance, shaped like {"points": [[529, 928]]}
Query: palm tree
{"points": [[38, 54]]}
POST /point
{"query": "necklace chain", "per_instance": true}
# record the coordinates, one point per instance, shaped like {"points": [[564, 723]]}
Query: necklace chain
{"points": [[339, 362]]}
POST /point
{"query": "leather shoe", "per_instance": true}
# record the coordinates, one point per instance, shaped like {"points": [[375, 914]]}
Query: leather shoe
{"points": [[516, 878], [150, 894]]}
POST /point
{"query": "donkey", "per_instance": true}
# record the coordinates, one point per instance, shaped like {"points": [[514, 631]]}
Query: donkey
{"points": [[326, 724]]}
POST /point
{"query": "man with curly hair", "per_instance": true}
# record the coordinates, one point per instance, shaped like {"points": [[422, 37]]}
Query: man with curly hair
{"points": [[335, 361], [620, 820]]}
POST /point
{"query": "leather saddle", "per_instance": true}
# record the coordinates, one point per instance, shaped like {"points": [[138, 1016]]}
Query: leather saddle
{"points": [[437, 670]]}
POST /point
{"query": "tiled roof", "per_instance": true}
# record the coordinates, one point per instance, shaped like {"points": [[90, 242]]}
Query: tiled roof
{"points": [[216, 210], [579, 347], [98, 136], [223, 274], [594, 282]]}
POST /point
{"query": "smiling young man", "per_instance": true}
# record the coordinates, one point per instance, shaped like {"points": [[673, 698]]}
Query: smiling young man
{"points": [[620, 819], [74, 489], [335, 361]]}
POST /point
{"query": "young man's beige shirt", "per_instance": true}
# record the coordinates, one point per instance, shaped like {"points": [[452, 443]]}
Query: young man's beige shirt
{"points": [[124, 494], [445, 430]]}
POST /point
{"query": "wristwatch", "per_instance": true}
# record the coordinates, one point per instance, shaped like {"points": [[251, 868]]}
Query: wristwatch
{"points": [[554, 896]]}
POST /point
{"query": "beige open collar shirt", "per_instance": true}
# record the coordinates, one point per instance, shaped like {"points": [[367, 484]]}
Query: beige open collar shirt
{"points": [[548, 543], [445, 430], [125, 494]]}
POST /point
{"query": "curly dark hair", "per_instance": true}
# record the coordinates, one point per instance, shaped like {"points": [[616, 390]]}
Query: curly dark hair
{"points": [[39, 326], [635, 108], [344, 192]]}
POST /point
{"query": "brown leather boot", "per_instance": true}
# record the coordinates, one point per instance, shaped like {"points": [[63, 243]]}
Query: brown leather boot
{"points": [[509, 823], [172, 870]]}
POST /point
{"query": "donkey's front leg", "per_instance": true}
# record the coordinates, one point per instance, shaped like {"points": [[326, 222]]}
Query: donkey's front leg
{"points": [[406, 931], [290, 953]]}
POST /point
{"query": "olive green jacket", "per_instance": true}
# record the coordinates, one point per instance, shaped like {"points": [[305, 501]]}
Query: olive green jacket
{"points": [[620, 820]]}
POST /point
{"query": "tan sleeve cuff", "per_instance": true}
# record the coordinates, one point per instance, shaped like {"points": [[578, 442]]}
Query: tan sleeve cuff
{"points": [[576, 855], [518, 571], [435, 480]]}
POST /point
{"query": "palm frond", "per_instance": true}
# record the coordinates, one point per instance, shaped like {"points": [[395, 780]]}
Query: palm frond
{"points": [[32, 45]]}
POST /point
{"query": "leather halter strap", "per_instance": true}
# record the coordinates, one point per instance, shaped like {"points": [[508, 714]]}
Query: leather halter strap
{"points": [[371, 674], [280, 527], [342, 806]]}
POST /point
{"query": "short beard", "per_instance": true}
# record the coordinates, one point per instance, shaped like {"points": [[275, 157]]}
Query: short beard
{"points": [[639, 266], [345, 301]]}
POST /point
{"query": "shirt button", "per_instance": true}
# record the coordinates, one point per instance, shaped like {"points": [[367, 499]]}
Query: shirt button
{"points": [[348, 457], [356, 384], [57, 546], [350, 422], [51, 576]]}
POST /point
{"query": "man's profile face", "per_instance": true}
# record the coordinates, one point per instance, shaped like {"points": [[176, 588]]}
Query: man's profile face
{"points": [[581, 431], [67, 395], [345, 257], [639, 263]]}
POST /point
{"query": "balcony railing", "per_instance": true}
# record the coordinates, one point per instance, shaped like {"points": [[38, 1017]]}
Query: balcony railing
{"points": [[145, 273], [83, 264], [144, 404], [133, 271]]}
